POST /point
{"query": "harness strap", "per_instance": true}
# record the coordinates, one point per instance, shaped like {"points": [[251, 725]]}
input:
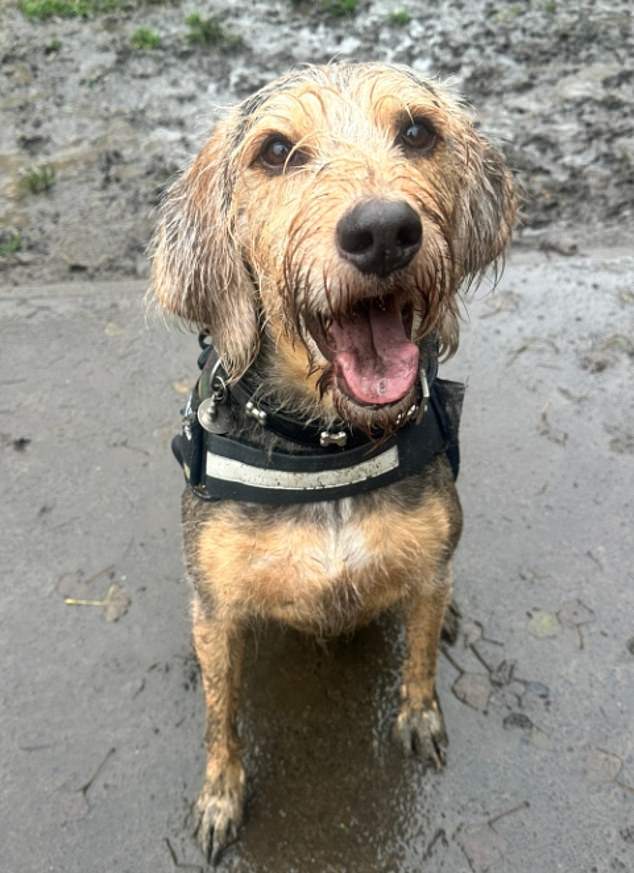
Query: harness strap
{"points": [[305, 433], [219, 467]]}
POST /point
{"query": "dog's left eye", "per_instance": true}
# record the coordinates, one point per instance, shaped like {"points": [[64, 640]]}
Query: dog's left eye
{"points": [[275, 152], [419, 134]]}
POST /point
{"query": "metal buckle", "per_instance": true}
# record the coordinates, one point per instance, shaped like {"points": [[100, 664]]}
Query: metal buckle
{"points": [[258, 414], [326, 438]]}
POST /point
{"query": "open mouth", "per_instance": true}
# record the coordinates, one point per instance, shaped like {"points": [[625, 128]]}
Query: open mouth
{"points": [[374, 360]]}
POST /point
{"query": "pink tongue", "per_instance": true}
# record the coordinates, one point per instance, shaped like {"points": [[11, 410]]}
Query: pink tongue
{"points": [[373, 355]]}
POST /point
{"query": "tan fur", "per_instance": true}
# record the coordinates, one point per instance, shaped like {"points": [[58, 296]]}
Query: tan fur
{"points": [[223, 212], [255, 572], [249, 256]]}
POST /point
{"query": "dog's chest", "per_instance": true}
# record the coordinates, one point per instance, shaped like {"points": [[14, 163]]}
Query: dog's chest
{"points": [[336, 546], [331, 568]]}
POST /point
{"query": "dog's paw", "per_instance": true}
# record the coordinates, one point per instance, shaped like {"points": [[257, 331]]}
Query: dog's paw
{"points": [[219, 811], [421, 732]]}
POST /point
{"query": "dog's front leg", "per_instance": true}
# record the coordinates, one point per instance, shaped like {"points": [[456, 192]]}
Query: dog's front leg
{"points": [[420, 726], [219, 644]]}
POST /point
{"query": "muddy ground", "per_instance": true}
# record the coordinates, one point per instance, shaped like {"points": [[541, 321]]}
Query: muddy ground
{"points": [[101, 718], [552, 81], [101, 721]]}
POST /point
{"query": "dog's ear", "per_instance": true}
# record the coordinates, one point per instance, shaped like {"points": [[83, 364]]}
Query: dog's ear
{"points": [[198, 272], [486, 206]]}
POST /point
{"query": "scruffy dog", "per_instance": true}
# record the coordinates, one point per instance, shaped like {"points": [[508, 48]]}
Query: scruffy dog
{"points": [[319, 239]]}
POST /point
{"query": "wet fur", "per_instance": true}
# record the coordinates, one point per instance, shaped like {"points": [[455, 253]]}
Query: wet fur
{"points": [[249, 257]]}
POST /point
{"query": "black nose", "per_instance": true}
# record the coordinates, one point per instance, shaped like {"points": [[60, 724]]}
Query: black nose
{"points": [[379, 236]]}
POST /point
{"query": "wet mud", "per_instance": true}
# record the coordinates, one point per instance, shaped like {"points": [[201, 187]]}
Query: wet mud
{"points": [[112, 118], [101, 715]]}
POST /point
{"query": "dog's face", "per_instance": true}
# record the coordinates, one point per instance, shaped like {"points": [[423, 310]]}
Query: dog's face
{"points": [[327, 226]]}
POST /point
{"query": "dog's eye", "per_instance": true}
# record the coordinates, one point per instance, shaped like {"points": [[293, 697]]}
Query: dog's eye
{"points": [[275, 152], [419, 134]]}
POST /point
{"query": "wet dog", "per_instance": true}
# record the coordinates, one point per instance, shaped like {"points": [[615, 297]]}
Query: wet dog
{"points": [[321, 235]]}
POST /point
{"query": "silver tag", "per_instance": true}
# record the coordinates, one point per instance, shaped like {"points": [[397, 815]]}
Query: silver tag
{"points": [[214, 417]]}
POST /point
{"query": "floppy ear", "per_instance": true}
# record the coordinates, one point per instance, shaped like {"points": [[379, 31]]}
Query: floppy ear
{"points": [[486, 206], [198, 272]]}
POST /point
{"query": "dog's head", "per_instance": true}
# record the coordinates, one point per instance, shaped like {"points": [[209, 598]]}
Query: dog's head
{"points": [[326, 228]]}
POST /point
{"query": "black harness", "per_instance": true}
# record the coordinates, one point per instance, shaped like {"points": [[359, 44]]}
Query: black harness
{"points": [[219, 464]]}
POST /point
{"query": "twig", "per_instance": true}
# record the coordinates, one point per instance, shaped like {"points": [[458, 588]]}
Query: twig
{"points": [[88, 785], [523, 805]]}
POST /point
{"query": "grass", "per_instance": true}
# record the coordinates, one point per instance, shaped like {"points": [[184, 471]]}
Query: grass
{"points": [[53, 46], [340, 8], [37, 180], [508, 13], [10, 244], [145, 39], [40, 10], [399, 18], [209, 31]]}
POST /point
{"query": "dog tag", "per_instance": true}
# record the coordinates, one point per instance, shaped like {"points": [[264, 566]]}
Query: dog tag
{"points": [[214, 417]]}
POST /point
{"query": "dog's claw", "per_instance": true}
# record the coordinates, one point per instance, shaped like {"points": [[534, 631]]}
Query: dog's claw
{"points": [[451, 623], [421, 732], [219, 813]]}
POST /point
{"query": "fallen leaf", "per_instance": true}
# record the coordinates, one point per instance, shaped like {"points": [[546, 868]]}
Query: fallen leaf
{"points": [[116, 603], [543, 624]]}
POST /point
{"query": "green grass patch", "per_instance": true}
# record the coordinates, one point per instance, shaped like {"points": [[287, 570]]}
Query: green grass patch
{"points": [[341, 8], [36, 180], [210, 31], [10, 243], [145, 39], [399, 18], [40, 10]]}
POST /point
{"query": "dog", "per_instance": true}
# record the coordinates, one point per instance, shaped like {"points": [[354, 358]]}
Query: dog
{"points": [[319, 239]]}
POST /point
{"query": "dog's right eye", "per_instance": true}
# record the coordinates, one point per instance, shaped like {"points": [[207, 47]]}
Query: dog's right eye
{"points": [[275, 152]]}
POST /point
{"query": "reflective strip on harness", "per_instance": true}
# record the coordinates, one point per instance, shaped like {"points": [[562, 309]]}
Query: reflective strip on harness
{"points": [[230, 470], [223, 467]]}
